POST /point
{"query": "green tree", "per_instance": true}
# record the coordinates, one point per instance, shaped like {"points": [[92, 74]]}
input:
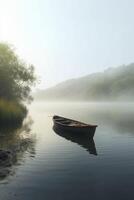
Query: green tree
{"points": [[16, 77]]}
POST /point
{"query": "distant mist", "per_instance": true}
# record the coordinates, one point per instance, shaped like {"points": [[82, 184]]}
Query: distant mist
{"points": [[114, 84]]}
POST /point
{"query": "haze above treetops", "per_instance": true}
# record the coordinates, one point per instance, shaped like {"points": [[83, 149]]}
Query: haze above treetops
{"points": [[66, 39], [114, 84]]}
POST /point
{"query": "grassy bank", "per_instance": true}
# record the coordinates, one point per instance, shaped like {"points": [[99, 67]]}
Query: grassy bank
{"points": [[11, 113]]}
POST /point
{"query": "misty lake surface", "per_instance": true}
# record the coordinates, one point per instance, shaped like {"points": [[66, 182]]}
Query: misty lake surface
{"points": [[57, 167]]}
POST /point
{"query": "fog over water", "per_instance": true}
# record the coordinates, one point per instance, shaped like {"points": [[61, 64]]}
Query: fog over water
{"points": [[83, 55], [68, 167]]}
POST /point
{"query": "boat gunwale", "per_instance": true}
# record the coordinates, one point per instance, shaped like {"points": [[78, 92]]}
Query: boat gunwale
{"points": [[67, 125]]}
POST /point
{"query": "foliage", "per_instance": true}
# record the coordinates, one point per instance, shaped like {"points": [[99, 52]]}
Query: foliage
{"points": [[11, 113], [16, 77]]}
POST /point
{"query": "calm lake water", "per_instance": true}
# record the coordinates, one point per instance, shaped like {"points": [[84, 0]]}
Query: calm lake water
{"points": [[49, 166]]}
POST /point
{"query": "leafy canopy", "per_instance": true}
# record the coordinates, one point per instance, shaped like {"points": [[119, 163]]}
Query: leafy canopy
{"points": [[16, 77]]}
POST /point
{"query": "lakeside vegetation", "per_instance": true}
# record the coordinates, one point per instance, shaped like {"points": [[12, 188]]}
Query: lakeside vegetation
{"points": [[11, 113], [16, 80]]}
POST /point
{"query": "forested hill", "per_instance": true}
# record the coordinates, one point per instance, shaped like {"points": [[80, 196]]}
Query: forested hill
{"points": [[110, 85]]}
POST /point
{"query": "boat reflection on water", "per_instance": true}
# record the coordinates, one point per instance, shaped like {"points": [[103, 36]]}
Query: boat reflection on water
{"points": [[81, 139]]}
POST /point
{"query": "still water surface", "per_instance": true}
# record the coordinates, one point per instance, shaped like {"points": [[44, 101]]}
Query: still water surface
{"points": [[51, 166]]}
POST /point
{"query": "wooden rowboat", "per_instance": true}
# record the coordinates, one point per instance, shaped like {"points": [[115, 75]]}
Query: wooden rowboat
{"points": [[74, 126]]}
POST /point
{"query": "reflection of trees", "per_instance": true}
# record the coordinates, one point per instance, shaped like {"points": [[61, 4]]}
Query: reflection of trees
{"points": [[80, 139], [14, 143]]}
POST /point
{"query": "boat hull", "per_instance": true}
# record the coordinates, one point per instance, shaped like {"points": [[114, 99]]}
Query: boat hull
{"points": [[87, 130]]}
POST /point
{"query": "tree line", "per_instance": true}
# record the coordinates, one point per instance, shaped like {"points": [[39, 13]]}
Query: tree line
{"points": [[16, 81]]}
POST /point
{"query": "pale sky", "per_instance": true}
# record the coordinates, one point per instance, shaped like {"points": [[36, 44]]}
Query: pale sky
{"points": [[69, 38]]}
